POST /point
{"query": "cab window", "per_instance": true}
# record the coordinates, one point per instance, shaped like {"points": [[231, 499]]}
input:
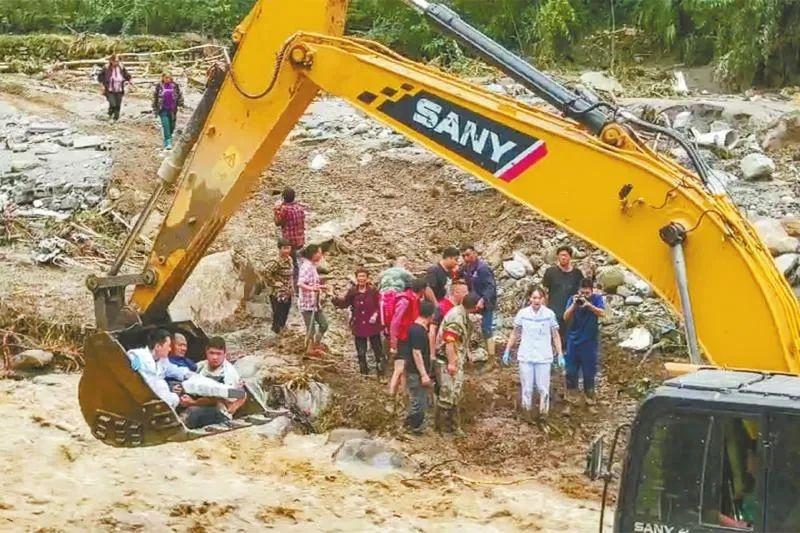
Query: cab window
{"points": [[731, 473], [668, 488], [783, 479], [700, 470]]}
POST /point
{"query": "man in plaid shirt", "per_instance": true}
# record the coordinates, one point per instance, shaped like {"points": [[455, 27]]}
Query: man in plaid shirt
{"points": [[290, 216]]}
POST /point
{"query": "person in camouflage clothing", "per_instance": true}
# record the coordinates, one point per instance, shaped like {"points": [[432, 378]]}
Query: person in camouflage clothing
{"points": [[278, 281], [456, 332]]}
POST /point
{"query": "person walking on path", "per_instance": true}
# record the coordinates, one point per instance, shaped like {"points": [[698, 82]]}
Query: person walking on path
{"points": [[278, 282], [112, 79], [480, 280], [167, 98], [561, 280], [539, 334], [309, 300], [584, 309], [364, 303], [418, 364], [290, 217]]}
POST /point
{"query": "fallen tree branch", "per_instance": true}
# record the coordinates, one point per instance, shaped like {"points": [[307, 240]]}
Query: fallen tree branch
{"points": [[89, 62]]}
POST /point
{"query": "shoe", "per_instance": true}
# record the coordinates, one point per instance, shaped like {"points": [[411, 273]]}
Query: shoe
{"points": [[569, 397], [590, 398]]}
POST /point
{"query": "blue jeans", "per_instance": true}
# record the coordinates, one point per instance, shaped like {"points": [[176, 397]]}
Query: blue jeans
{"points": [[579, 360], [167, 125], [487, 323]]}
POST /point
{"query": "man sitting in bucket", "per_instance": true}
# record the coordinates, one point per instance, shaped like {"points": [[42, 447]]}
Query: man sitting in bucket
{"points": [[153, 364]]}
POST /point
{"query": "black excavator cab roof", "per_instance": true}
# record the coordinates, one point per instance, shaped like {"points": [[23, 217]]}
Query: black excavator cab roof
{"points": [[734, 387]]}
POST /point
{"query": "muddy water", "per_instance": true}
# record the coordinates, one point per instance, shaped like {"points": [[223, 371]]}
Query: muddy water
{"points": [[56, 476]]}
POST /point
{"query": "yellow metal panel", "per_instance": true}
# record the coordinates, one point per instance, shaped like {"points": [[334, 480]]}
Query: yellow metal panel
{"points": [[746, 313], [240, 137]]}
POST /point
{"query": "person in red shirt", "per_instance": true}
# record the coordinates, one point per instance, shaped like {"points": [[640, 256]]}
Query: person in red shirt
{"points": [[405, 312], [290, 216]]}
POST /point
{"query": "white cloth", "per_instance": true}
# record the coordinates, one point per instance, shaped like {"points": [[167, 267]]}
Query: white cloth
{"points": [[536, 345], [155, 373], [225, 373], [535, 376]]}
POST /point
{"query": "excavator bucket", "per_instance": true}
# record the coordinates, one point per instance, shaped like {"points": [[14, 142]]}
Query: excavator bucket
{"points": [[122, 410]]}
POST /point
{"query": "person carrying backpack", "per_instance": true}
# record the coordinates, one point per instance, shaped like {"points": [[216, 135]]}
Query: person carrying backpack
{"points": [[167, 98], [404, 313]]}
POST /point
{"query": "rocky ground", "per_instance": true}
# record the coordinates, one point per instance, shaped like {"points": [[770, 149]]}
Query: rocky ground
{"points": [[359, 180]]}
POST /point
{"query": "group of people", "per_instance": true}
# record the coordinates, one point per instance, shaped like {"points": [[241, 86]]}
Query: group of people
{"points": [[204, 393], [558, 326], [167, 96], [420, 328]]}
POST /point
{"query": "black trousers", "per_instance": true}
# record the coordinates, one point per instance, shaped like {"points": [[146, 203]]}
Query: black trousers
{"points": [[114, 104], [280, 313], [377, 350]]}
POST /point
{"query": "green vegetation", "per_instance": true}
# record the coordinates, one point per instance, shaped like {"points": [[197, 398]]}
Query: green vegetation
{"points": [[750, 41]]}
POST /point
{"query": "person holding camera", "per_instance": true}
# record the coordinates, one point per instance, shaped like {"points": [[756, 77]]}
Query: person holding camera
{"points": [[583, 311]]}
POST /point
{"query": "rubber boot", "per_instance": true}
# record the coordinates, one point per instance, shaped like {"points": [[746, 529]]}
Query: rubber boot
{"points": [[446, 421], [456, 423], [437, 417], [491, 349], [362, 364]]}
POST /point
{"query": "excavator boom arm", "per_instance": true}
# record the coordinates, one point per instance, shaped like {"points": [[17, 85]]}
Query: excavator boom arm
{"points": [[618, 197]]}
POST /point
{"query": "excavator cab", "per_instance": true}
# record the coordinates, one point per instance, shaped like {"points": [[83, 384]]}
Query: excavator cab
{"points": [[715, 450], [122, 410]]}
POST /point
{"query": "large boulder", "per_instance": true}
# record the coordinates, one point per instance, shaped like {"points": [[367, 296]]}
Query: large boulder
{"points": [[375, 453], [785, 131], [276, 429], [638, 339], [31, 360], [522, 259], [775, 236], [757, 166], [325, 233], [514, 268], [786, 263], [213, 293], [791, 225], [610, 277], [248, 366]]}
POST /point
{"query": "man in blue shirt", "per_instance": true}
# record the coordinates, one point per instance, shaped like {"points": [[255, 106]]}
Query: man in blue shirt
{"points": [[480, 280], [178, 355], [583, 311]]}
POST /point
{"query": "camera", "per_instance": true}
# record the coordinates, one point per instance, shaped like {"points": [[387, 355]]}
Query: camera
{"points": [[580, 301]]}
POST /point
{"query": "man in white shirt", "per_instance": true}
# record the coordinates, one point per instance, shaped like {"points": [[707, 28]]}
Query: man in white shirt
{"points": [[195, 391], [153, 364], [217, 368], [539, 333]]}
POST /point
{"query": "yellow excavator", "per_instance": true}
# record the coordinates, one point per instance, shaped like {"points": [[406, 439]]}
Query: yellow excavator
{"points": [[711, 450]]}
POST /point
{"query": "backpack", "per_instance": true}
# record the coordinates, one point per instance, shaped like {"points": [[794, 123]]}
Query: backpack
{"points": [[388, 301]]}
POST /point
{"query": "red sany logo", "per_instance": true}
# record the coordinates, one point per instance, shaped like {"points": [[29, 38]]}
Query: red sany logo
{"points": [[522, 162]]}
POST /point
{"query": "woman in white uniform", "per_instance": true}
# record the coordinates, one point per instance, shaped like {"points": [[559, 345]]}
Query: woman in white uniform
{"points": [[537, 327]]}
